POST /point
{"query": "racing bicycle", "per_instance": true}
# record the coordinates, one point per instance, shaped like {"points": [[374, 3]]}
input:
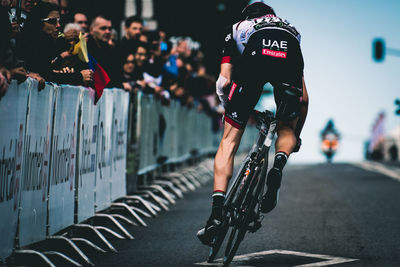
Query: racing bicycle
{"points": [[242, 206]]}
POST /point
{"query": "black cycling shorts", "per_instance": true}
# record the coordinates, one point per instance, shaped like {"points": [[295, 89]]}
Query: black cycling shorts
{"points": [[271, 55]]}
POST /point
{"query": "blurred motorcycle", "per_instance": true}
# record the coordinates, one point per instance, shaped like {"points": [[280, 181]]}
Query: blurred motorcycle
{"points": [[330, 140], [330, 143]]}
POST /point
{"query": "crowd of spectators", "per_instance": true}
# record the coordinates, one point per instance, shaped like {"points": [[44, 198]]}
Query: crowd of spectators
{"points": [[37, 41]]}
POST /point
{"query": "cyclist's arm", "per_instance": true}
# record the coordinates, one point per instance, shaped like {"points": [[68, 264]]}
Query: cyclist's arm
{"points": [[229, 51], [226, 71]]}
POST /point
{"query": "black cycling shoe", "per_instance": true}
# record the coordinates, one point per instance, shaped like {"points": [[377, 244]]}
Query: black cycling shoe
{"points": [[270, 199], [207, 234]]}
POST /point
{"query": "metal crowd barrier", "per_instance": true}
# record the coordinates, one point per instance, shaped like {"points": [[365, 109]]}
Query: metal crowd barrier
{"points": [[170, 133], [63, 159]]}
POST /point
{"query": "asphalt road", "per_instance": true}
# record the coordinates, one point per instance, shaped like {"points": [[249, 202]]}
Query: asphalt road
{"points": [[327, 214]]}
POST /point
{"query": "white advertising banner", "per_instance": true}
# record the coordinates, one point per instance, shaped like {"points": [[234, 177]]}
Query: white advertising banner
{"points": [[34, 185], [119, 143], [13, 108], [103, 151], [86, 166], [62, 175]]}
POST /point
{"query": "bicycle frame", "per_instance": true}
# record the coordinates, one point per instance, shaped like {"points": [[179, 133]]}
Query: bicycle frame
{"points": [[263, 144], [249, 169]]}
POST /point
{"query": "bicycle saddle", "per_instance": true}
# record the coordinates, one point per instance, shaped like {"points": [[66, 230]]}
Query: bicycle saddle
{"points": [[263, 117]]}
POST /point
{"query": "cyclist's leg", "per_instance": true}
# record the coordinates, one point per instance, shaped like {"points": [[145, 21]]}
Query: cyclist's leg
{"points": [[284, 145], [241, 102], [223, 163], [286, 139], [287, 127], [223, 170]]}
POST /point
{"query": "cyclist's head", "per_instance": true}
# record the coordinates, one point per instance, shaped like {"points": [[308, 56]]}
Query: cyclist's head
{"points": [[330, 124], [257, 9]]}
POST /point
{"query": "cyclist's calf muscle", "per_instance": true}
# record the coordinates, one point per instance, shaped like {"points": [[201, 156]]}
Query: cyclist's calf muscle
{"points": [[224, 159]]}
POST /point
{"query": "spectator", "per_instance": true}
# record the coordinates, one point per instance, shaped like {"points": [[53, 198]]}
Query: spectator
{"points": [[148, 83], [71, 33], [143, 38], [393, 152], [114, 38], [155, 61], [129, 66], [4, 80], [81, 19], [64, 11], [10, 65], [43, 49], [72, 27], [140, 56], [133, 30], [105, 55]]}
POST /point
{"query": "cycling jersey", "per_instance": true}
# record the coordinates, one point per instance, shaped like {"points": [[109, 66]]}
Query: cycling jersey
{"points": [[239, 34], [264, 49]]}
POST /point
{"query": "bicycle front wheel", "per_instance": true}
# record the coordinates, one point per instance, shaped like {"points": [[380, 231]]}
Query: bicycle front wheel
{"points": [[236, 236], [244, 216], [219, 239]]}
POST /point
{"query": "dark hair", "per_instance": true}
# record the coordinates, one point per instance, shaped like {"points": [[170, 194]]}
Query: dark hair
{"points": [[34, 21], [79, 11], [131, 20], [99, 16], [142, 44], [256, 10]]}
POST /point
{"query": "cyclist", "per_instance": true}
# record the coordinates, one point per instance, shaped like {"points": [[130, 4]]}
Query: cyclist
{"points": [[330, 129], [260, 48]]}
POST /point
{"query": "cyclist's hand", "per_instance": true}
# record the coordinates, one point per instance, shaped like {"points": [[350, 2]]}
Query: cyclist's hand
{"points": [[221, 85]]}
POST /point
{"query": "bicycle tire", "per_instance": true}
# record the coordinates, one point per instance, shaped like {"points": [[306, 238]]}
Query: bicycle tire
{"points": [[219, 239], [251, 202], [241, 225], [236, 236]]}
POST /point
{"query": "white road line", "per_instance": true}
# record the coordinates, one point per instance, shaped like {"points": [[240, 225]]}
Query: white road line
{"points": [[328, 260], [380, 168]]}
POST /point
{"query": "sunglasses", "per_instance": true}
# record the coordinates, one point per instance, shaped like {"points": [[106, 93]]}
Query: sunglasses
{"points": [[52, 21], [129, 62], [82, 22]]}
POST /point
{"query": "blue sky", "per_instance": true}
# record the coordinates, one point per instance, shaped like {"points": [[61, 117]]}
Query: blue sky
{"points": [[343, 81]]}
